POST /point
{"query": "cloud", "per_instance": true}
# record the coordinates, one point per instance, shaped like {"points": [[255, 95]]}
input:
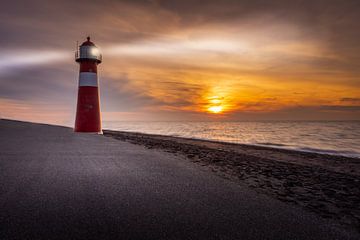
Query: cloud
{"points": [[301, 113], [348, 99], [49, 83], [340, 108], [118, 94], [171, 57]]}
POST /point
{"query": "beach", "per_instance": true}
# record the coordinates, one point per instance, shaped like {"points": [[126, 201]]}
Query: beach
{"points": [[56, 184], [327, 185]]}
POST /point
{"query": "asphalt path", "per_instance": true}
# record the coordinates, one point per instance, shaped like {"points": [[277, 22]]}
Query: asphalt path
{"points": [[55, 184]]}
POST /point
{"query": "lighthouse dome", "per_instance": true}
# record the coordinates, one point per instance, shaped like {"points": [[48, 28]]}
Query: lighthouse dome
{"points": [[88, 52], [88, 42]]}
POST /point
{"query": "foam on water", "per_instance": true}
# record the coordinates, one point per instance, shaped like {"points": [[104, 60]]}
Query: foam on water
{"points": [[339, 138]]}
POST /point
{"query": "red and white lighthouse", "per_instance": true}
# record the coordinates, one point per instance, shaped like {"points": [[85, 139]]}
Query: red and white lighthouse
{"points": [[88, 117]]}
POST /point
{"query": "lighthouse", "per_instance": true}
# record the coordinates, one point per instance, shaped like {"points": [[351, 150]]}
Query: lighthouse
{"points": [[88, 117]]}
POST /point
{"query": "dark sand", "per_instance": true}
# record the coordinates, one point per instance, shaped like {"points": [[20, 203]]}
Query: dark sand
{"points": [[55, 184], [327, 185]]}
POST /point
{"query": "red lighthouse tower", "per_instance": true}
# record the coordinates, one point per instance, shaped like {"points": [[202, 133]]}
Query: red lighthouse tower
{"points": [[88, 117]]}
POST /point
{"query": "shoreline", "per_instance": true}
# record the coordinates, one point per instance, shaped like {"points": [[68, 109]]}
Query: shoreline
{"points": [[270, 146], [328, 185], [325, 137]]}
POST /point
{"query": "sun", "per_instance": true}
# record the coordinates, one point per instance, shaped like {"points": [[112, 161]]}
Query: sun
{"points": [[215, 109], [215, 104]]}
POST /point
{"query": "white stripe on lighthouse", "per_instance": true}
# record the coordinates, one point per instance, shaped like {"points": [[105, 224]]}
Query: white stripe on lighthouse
{"points": [[88, 79]]}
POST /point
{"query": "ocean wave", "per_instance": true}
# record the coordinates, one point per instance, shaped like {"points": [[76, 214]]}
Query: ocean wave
{"points": [[335, 138], [271, 144], [330, 152], [309, 149]]}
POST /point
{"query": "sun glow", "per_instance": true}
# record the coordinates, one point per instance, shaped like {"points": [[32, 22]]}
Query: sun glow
{"points": [[215, 109], [215, 104]]}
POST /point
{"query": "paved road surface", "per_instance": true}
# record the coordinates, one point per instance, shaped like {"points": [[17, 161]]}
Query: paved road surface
{"points": [[55, 184]]}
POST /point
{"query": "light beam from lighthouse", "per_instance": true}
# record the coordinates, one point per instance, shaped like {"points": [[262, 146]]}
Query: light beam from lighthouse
{"points": [[88, 115]]}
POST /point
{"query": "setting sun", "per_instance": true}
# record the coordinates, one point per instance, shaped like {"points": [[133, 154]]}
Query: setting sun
{"points": [[215, 104], [215, 109]]}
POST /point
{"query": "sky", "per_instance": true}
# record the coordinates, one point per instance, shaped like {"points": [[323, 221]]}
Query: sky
{"points": [[178, 60]]}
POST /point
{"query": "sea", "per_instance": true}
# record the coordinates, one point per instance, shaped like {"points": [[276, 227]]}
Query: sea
{"points": [[328, 137]]}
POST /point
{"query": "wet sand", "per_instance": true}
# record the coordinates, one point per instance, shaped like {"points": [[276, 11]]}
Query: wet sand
{"points": [[327, 185]]}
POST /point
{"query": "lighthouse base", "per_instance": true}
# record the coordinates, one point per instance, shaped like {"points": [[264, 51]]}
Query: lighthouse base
{"points": [[88, 111]]}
